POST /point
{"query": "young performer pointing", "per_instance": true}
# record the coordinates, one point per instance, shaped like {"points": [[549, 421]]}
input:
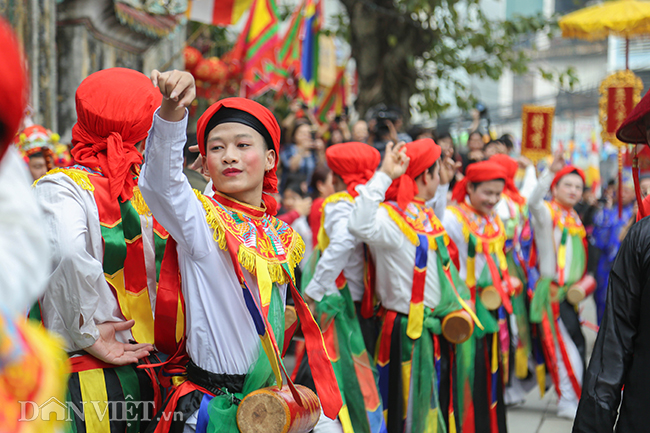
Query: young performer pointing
{"points": [[235, 257], [560, 239]]}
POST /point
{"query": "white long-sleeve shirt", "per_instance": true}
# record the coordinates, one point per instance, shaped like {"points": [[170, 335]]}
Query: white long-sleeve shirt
{"points": [[221, 336], [547, 238], [394, 254], [439, 202], [344, 253], [529, 182], [25, 256], [77, 297]]}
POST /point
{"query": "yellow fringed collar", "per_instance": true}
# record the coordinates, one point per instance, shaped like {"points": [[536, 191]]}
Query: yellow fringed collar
{"points": [[487, 228], [262, 240], [78, 174], [323, 239], [416, 219], [81, 176], [566, 218]]}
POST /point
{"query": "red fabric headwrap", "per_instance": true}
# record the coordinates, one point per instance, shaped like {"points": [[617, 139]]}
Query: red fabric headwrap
{"points": [[354, 162], [510, 165], [13, 86], [483, 171], [423, 154], [567, 170], [114, 112], [262, 114]]}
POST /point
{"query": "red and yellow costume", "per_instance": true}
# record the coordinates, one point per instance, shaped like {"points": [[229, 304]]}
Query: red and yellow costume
{"points": [[418, 286], [108, 248], [561, 244], [236, 261], [480, 239]]}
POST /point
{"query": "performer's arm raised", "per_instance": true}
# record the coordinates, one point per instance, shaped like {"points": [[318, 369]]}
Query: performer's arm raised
{"points": [[541, 217], [365, 220], [164, 186]]}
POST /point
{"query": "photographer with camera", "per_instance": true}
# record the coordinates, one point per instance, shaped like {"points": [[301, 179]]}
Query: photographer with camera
{"points": [[385, 126]]}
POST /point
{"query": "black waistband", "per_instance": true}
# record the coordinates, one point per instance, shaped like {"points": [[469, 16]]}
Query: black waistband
{"points": [[213, 382]]}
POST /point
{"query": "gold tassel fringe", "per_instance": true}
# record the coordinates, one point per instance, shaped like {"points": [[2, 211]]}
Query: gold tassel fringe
{"points": [[79, 177], [138, 203], [247, 256]]}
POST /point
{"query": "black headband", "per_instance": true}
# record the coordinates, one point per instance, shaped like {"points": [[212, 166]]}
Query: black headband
{"points": [[234, 115]]}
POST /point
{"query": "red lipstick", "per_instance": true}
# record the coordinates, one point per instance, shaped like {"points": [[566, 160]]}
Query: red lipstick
{"points": [[231, 172]]}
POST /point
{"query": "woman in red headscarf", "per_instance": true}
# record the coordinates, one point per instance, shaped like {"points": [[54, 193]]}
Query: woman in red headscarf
{"points": [[236, 259], [561, 244], [478, 232], [418, 287]]}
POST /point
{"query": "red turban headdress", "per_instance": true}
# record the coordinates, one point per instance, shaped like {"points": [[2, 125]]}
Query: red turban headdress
{"points": [[510, 166], [483, 171], [423, 154], [13, 86], [114, 112], [354, 162], [567, 170], [270, 132]]}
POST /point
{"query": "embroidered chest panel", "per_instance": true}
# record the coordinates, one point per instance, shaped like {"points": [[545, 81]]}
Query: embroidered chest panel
{"points": [[564, 218], [259, 238], [417, 219], [484, 227]]}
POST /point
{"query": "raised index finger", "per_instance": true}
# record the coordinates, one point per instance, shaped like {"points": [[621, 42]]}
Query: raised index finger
{"points": [[155, 74], [400, 147]]}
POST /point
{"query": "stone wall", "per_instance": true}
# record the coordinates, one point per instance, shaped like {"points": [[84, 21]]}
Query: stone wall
{"points": [[65, 41], [90, 38], [35, 25]]}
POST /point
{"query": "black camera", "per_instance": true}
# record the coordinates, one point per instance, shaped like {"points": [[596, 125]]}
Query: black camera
{"points": [[382, 117]]}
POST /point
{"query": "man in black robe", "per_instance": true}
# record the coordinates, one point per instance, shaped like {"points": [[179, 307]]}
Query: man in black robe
{"points": [[621, 356]]}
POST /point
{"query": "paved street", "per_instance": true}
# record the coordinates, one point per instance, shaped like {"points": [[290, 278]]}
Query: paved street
{"points": [[539, 415]]}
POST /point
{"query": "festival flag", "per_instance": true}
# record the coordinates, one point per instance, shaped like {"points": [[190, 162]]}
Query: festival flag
{"points": [[334, 99], [287, 56], [254, 51], [217, 12], [309, 52]]}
